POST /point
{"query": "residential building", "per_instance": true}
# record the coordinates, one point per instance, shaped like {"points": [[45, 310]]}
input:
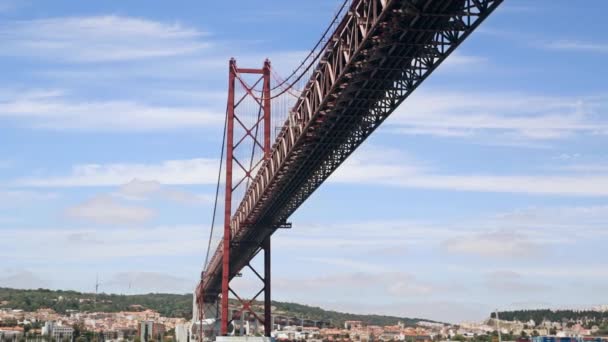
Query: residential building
{"points": [[182, 332], [57, 331], [150, 331], [10, 333]]}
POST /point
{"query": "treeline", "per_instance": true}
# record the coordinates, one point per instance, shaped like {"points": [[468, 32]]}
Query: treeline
{"points": [[338, 318], [169, 305], [552, 315]]}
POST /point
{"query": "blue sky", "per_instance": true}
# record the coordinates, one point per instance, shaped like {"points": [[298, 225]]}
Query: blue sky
{"points": [[486, 189]]}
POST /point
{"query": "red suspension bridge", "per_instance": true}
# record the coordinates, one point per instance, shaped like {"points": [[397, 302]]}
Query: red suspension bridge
{"points": [[372, 56]]}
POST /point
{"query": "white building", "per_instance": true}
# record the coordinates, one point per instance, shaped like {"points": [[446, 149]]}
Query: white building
{"points": [[182, 332], [9, 335], [601, 308], [57, 331]]}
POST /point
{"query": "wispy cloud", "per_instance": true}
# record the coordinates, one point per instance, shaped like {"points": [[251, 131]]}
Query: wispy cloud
{"points": [[345, 263], [104, 209], [115, 242], [459, 62], [98, 39], [22, 279], [587, 167], [462, 114], [176, 172], [150, 282], [511, 234], [496, 244], [361, 168], [577, 45], [144, 190], [513, 282], [344, 285], [11, 198], [53, 109], [408, 173]]}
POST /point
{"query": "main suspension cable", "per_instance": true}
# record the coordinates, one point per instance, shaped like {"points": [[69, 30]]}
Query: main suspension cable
{"points": [[217, 190], [305, 62], [312, 52], [284, 89]]}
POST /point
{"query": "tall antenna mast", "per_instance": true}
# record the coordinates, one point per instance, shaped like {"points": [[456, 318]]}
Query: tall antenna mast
{"points": [[498, 327], [96, 290]]}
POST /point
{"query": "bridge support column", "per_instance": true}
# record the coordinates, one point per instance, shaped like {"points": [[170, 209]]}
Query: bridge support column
{"points": [[228, 199], [266, 244], [267, 299], [242, 134]]}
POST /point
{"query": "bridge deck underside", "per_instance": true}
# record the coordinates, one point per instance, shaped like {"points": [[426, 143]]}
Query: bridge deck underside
{"points": [[379, 54]]}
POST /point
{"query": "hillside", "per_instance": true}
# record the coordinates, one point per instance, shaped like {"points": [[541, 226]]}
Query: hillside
{"points": [[170, 305], [552, 315]]}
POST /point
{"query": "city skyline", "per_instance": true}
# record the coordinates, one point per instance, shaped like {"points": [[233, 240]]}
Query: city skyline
{"points": [[486, 189]]}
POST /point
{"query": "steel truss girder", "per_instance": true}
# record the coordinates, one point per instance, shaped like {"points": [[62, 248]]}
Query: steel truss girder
{"points": [[378, 55]]}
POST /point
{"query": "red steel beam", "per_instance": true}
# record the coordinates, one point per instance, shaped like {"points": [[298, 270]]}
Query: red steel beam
{"points": [[228, 199], [249, 71], [266, 243], [266, 72]]}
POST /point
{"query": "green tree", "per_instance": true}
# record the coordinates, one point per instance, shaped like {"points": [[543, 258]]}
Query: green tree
{"points": [[459, 337], [78, 329]]}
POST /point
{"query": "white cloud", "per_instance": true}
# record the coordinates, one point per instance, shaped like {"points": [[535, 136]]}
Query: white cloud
{"points": [[173, 172], [344, 263], [593, 272], [53, 109], [104, 209], [381, 283], [502, 234], [139, 190], [22, 279], [137, 281], [560, 216], [118, 242], [409, 286], [495, 244], [587, 168], [577, 45], [10, 198], [459, 62], [396, 170], [573, 185], [143, 190], [569, 270], [98, 39], [513, 282], [508, 115], [354, 237]]}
